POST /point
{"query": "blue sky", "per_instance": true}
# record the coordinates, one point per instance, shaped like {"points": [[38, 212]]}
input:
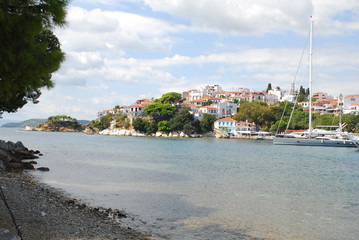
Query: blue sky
{"points": [[118, 51]]}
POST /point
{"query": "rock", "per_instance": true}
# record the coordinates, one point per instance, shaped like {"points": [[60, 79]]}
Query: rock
{"points": [[91, 131], [27, 165], [27, 128], [43, 169], [2, 166], [6, 235]]}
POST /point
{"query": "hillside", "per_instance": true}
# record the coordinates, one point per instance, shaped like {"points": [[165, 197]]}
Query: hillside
{"points": [[33, 123], [30, 123]]}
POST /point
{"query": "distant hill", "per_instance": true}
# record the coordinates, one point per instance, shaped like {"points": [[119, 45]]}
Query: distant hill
{"points": [[33, 123], [30, 123], [84, 122]]}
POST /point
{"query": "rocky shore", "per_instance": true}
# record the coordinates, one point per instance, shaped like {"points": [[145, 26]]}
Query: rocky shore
{"points": [[44, 213], [16, 157]]}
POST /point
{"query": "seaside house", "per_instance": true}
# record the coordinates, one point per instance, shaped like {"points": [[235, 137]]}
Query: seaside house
{"points": [[246, 127], [137, 109], [105, 112], [228, 125], [354, 109], [349, 101]]}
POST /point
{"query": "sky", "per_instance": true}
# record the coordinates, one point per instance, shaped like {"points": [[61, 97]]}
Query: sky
{"points": [[118, 51]]}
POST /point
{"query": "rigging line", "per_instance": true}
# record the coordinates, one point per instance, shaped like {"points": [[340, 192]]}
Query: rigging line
{"points": [[295, 77], [2, 195]]}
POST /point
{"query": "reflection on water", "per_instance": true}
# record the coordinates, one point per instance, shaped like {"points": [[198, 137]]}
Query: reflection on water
{"points": [[208, 188]]}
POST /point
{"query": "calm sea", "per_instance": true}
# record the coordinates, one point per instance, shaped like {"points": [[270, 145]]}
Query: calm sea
{"points": [[188, 189]]}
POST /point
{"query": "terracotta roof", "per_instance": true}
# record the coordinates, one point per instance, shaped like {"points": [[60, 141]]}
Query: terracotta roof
{"points": [[206, 97], [227, 119], [145, 100], [209, 107], [139, 105], [352, 96]]}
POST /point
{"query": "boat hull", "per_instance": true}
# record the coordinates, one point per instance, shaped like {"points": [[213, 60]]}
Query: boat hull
{"points": [[313, 142]]}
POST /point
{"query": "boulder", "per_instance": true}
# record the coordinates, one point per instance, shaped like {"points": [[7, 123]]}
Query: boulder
{"points": [[12, 154], [43, 169]]}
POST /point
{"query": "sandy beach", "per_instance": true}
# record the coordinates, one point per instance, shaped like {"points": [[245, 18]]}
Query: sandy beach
{"points": [[44, 213]]}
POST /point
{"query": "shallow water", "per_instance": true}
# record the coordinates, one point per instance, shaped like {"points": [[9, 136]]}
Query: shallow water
{"points": [[207, 188]]}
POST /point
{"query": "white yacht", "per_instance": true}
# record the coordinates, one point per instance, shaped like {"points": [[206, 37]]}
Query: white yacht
{"points": [[315, 137]]}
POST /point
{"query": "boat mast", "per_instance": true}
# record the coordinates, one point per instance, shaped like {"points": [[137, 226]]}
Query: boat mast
{"points": [[310, 76]]}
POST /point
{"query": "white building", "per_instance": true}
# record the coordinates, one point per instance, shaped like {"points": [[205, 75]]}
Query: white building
{"points": [[289, 96], [226, 108], [349, 101], [211, 90], [227, 124], [105, 112], [354, 109], [235, 128], [195, 94], [271, 98]]}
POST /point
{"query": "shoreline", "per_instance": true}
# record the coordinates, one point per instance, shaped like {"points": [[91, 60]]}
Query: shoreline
{"points": [[44, 213], [132, 133]]}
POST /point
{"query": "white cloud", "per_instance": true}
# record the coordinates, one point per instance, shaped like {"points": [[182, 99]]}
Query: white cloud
{"points": [[113, 31], [239, 16], [262, 16]]}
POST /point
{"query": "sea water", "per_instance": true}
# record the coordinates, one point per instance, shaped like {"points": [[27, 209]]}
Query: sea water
{"points": [[186, 189]]}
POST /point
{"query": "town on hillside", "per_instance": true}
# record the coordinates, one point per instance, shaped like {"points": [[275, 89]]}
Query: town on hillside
{"points": [[223, 105]]}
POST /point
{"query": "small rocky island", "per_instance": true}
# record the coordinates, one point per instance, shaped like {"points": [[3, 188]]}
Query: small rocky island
{"points": [[60, 123]]}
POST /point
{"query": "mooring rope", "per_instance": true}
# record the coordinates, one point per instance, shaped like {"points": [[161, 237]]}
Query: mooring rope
{"points": [[2, 195]]}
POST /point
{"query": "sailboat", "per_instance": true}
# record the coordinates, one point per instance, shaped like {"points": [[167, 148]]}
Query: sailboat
{"points": [[315, 137]]}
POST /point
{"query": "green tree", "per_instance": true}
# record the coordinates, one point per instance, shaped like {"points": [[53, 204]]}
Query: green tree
{"points": [[29, 52], [352, 122], [299, 120], [170, 98], [207, 123], [102, 123], [279, 126], [163, 126], [256, 112], [356, 130], [139, 125], [61, 118], [269, 87], [122, 121], [188, 129], [160, 112], [150, 127], [180, 119]]}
